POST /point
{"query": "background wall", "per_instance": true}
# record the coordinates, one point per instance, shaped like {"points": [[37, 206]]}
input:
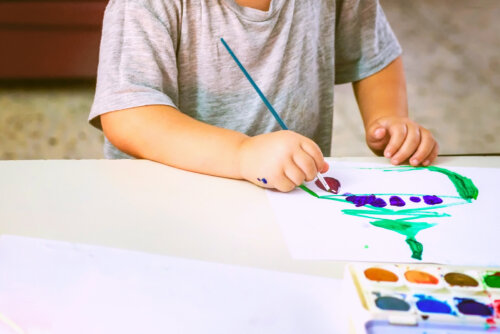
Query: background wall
{"points": [[452, 61]]}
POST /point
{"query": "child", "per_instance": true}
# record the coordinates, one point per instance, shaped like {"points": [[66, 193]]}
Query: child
{"points": [[168, 90]]}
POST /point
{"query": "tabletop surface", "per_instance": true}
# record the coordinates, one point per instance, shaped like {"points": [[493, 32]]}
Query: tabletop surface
{"points": [[145, 206]]}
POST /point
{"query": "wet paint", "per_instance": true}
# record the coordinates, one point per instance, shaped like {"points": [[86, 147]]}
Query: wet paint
{"points": [[429, 304], [396, 201], [380, 275], [492, 280], [333, 183], [432, 199], [420, 277], [390, 303], [406, 221], [460, 279], [263, 180], [464, 186], [408, 229], [470, 306], [363, 200]]}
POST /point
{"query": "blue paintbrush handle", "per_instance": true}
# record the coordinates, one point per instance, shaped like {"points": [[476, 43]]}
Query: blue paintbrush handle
{"points": [[266, 102]]}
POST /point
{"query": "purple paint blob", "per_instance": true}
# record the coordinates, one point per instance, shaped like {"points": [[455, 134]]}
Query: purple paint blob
{"points": [[379, 203], [333, 183], [415, 199], [472, 307], [366, 200], [396, 201], [432, 200], [361, 200], [263, 180]]}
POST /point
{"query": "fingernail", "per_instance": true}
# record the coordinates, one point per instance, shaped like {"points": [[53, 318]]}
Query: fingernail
{"points": [[394, 161], [414, 161], [426, 163], [387, 154]]}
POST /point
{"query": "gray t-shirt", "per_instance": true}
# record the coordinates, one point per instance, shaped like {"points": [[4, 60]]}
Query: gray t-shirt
{"points": [[169, 52]]}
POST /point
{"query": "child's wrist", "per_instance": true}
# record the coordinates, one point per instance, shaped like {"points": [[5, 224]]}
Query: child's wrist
{"points": [[241, 163]]}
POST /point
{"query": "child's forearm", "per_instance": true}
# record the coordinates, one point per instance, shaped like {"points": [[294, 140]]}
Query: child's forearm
{"points": [[164, 134], [281, 159], [382, 94], [383, 105]]}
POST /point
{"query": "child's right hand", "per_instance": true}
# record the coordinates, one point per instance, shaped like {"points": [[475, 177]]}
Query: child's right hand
{"points": [[281, 160]]}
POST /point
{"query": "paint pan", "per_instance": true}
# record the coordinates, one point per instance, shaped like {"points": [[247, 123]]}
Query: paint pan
{"points": [[496, 307], [457, 280], [476, 307], [427, 296], [383, 276], [436, 304], [422, 278], [391, 302], [491, 280]]}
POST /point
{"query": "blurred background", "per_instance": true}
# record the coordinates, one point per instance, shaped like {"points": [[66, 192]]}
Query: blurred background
{"points": [[47, 81]]}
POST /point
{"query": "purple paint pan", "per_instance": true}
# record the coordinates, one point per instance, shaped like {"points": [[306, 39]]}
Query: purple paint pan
{"points": [[477, 307]]}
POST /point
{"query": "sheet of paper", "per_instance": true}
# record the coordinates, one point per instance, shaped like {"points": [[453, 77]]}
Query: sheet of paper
{"points": [[395, 214], [57, 287]]}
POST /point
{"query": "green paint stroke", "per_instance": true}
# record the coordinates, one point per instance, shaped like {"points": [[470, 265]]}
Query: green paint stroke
{"points": [[406, 224], [464, 186], [309, 191]]}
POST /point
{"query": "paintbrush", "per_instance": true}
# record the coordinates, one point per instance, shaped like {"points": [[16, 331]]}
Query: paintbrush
{"points": [[266, 102]]}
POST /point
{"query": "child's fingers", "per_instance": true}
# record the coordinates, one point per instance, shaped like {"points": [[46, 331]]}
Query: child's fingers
{"points": [[325, 168], [425, 148], [294, 173], [410, 144], [377, 137], [312, 149], [283, 183], [398, 134], [307, 165], [432, 156]]}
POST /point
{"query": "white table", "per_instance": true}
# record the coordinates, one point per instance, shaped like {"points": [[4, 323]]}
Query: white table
{"points": [[145, 206]]}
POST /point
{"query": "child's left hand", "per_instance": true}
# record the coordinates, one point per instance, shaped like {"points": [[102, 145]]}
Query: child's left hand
{"points": [[401, 139]]}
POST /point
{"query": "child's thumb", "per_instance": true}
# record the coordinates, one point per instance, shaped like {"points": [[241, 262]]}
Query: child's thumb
{"points": [[376, 133], [325, 168]]}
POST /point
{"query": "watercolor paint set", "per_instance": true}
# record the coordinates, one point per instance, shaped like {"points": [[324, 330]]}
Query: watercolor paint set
{"points": [[422, 298]]}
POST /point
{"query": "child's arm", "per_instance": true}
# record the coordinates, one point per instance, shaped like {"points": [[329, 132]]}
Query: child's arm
{"points": [[382, 101], [163, 134]]}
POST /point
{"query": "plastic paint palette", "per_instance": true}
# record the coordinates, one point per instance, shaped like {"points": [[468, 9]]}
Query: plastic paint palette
{"points": [[420, 298]]}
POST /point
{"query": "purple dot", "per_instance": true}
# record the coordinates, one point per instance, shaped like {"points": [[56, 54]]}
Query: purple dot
{"points": [[264, 180], [432, 200], [356, 200], [379, 203], [361, 200], [415, 199], [396, 201], [366, 200]]}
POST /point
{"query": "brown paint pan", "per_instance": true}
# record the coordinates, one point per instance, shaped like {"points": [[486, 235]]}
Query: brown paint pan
{"points": [[462, 280]]}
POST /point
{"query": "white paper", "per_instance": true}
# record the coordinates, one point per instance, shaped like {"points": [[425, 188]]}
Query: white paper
{"points": [[58, 287], [317, 228]]}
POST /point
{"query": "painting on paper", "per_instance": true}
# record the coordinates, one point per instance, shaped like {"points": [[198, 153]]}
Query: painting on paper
{"points": [[394, 214]]}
